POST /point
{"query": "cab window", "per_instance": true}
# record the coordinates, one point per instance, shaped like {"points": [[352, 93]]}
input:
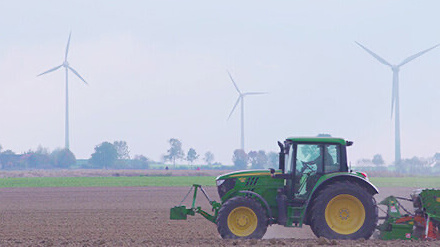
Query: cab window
{"points": [[332, 156]]}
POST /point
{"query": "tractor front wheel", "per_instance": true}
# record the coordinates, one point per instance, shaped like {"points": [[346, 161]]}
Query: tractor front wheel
{"points": [[241, 217], [344, 210]]}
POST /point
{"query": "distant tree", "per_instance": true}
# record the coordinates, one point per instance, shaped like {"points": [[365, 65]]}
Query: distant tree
{"points": [[8, 152], [122, 150], [105, 155], [240, 159], [252, 158], [209, 158], [436, 159], [42, 150], [257, 159], [378, 160], [273, 160], [218, 165], [141, 161], [192, 155], [175, 151], [415, 165], [36, 159], [62, 158], [8, 159], [364, 162]]}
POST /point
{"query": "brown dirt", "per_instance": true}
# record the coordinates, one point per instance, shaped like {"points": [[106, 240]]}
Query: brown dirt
{"points": [[133, 217]]}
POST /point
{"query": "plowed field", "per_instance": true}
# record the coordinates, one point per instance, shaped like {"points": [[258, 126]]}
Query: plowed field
{"points": [[134, 216]]}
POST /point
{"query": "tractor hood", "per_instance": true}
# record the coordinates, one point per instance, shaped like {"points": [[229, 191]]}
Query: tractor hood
{"points": [[246, 173]]}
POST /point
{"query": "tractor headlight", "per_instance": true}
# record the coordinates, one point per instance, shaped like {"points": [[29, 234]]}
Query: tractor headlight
{"points": [[220, 182]]}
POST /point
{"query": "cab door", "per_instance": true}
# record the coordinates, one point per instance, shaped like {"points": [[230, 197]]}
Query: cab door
{"points": [[309, 164]]}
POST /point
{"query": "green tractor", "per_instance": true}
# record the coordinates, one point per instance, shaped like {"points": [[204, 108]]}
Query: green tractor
{"points": [[313, 185]]}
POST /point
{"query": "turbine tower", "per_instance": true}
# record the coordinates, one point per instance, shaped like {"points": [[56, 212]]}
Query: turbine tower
{"points": [[67, 67], [395, 92], [241, 99]]}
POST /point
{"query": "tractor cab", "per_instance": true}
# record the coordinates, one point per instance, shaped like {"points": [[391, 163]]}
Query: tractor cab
{"points": [[304, 161]]}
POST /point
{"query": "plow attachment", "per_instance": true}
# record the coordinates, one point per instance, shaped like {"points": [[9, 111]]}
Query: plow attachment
{"points": [[181, 212]]}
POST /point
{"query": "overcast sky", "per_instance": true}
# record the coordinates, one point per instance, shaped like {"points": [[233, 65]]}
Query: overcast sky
{"points": [[158, 70]]}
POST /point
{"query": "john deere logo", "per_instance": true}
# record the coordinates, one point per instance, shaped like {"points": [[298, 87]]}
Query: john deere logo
{"points": [[242, 179]]}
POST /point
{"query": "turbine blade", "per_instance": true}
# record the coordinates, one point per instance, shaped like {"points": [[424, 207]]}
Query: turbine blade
{"points": [[233, 108], [50, 70], [374, 55], [67, 47], [235, 85], [410, 58], [77, 74], [254, 93]]}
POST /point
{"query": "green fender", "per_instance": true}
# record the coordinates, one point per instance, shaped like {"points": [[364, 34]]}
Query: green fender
{"points": [[334, 177]]}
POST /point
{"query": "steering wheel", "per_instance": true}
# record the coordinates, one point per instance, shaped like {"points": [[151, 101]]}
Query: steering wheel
{"points": [[307, 165]]}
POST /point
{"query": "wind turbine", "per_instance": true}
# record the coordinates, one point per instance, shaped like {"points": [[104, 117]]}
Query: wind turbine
{"points": [[67, 67], [395, 92], [241, 99]]}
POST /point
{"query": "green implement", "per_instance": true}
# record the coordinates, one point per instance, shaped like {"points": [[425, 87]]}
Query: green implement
{"points": [[180, 212], [422, 224]]}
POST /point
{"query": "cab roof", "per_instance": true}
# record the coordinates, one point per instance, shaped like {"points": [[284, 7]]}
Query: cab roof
{"points": [[330, 140]]}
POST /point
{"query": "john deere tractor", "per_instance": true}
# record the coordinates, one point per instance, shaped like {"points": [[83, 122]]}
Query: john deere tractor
{"points": [[312, 185]]}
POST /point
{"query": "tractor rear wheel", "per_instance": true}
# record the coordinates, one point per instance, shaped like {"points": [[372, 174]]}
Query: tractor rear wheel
{"points": [[241, 217], [344, 210]]}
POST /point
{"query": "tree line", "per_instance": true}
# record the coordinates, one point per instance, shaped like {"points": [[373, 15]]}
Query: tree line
{"points": [[256, 159], [106, 155], [414, 165], [38, 159], [176, 152], [116, 155]]}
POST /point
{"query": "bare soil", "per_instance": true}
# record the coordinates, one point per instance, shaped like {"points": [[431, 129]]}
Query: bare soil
{"points": [[135, 216]]}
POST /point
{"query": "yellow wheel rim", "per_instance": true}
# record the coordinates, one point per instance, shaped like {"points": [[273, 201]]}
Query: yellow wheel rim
{"points": [[242, 221], [345, 214]]}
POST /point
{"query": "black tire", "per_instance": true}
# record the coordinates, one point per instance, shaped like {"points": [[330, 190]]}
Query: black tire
{"points": [[338, 213], [250, 211]]}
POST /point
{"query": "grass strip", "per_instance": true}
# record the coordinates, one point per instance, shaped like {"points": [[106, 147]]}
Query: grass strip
{"points": [[181, 181], [419, 182]]}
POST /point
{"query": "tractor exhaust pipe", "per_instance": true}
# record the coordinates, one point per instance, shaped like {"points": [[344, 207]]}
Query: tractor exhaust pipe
{"points": [[281, 157]]}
